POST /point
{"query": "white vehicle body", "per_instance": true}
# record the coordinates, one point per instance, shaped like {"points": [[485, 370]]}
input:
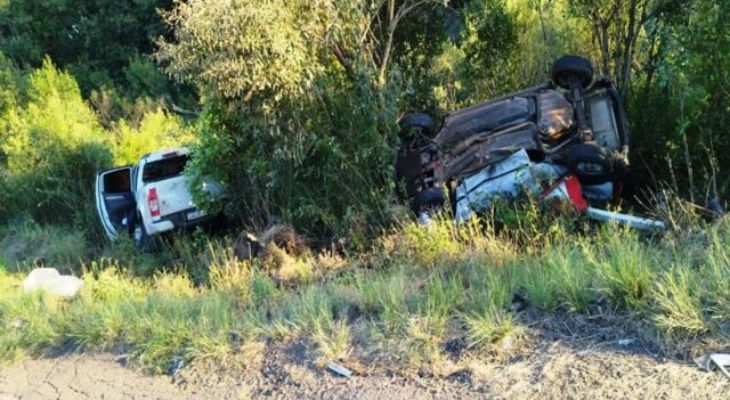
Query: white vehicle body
{"points": [[516, 174], [147, 198]]}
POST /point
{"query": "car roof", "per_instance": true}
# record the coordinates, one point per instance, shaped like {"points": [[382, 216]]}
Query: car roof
{"points": [[165, 153]]}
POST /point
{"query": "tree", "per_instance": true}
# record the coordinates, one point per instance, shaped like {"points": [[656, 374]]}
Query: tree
{"points": [[617, 25], [53, 147], [94, 39], [296, 123]]}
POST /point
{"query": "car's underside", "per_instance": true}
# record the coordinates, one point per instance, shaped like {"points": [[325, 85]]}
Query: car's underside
{"points": [[572, 122]]}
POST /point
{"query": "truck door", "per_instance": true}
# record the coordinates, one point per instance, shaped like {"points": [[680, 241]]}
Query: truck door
{"points": [[114, 199]]}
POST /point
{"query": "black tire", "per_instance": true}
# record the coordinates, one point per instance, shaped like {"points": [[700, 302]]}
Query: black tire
{"points": [[131, 222], [590, 162], [141, 239], [568, 69], [428, 200], [421, 121]]}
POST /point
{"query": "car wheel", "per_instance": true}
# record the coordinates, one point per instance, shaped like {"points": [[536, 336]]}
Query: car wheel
{"points": [[590, 162], [569, 69], [421, 121], [141, 239], [428, 200]]}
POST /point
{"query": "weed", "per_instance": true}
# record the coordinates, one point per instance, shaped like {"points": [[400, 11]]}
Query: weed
{"points": [[488, 329], [286, 268], [487, 286], [229, 275], [424, 337], [439, 283], [27, 244], [676, 296], [383, 296], [716, 273], [332, 339], [624, 267]]}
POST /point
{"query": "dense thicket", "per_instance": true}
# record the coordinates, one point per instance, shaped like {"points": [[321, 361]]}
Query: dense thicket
{"points": [[53, 144], [298, 99]]}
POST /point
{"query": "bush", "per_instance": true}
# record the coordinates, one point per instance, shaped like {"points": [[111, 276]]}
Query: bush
{"points": [[53, 148], [157, 130]]}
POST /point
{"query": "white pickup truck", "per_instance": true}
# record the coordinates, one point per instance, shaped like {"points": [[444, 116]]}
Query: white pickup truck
{"points": [[148, 198]]}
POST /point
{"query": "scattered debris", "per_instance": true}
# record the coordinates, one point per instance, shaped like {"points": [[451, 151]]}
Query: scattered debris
{"points": [[516, 174], [339, 369], [626, 342], [712, 361], [177, 364], [122, 360], [50, 280], [249, 246], [508, 343]]}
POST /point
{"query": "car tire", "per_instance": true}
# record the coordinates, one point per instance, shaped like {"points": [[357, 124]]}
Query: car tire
{"points": [[421, 121], [428, 200], [590, 162], [569, 68], [141, 239]]}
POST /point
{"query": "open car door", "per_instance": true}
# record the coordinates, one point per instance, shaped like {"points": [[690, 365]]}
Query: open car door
{"points": [[114, 199]]}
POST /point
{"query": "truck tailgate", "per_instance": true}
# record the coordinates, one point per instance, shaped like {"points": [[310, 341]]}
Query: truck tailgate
{"points": [[172, 194]]}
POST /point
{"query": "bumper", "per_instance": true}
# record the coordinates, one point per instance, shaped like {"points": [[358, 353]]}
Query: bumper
{"points": [[184, 219]]}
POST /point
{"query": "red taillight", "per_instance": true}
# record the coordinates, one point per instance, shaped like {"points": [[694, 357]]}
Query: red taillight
{"points": [[153, 203]]}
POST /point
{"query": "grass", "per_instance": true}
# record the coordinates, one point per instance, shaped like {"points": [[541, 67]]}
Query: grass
{"points": [[426, 287], [490, 328]]}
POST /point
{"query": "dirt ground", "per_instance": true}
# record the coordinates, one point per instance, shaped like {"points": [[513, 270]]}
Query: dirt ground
{"points": [[573, 358], [559, 373]]}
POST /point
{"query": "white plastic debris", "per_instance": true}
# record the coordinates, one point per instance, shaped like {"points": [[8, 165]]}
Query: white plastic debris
{"points": [[50, 280], [339, 369], [625, 342], [424, 219], [177, 364], [714, 361]]}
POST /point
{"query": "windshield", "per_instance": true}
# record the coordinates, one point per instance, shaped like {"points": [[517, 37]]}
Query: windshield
{"points": [[165, 168]]}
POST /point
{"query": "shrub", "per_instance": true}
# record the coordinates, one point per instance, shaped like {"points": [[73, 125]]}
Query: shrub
{"points": [[53, 148], [157, 130]]}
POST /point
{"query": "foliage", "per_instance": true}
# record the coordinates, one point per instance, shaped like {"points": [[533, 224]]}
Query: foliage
{"points": [[286, 129], [53, 145], [401, 312], [99, 41], [684, 90], [157, 130], [298, 103]]}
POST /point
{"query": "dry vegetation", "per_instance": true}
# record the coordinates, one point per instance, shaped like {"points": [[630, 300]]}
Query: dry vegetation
{"points": [[423, 299]]}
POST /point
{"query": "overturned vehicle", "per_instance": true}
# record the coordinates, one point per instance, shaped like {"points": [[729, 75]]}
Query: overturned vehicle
{"points": [[570, 134]]}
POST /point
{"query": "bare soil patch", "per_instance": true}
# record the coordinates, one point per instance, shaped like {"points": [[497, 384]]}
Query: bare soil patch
{"points": [[559, 369]]}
